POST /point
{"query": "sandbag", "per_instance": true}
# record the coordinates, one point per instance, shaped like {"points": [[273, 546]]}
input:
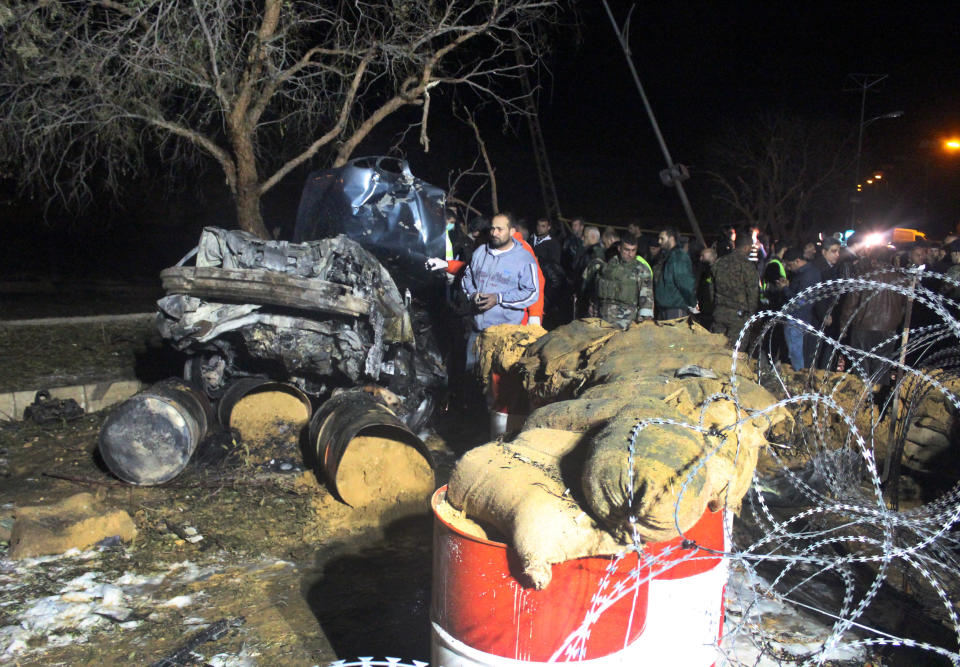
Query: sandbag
{"points": [[575, 448], [576, 415], [500, 347], [518, 488], [667, 487], [553, 367]]}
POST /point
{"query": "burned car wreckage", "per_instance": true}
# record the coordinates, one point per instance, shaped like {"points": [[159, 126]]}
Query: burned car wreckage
{"points": [[346, 305]]}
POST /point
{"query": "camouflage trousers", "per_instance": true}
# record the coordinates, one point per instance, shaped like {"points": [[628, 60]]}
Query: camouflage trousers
{"points": [[618, 313], [729, 326]]}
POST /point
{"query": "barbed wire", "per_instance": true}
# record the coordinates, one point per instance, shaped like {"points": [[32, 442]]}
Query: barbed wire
{"points": [[834, 515], [821, 530]]}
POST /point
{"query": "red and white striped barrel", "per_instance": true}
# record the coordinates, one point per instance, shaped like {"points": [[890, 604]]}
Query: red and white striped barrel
{"points": [[685, 602], [483, 614]]}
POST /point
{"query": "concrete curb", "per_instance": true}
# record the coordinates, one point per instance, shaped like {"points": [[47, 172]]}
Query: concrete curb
{"points": [[92, 397], [89, 319]]}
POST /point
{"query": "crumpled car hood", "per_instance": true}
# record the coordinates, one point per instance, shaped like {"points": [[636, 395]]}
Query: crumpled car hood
{"points": [[380, 204]]}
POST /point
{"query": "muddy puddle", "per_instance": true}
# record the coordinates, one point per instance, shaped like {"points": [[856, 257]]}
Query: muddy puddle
{"points": [[372, 597]]}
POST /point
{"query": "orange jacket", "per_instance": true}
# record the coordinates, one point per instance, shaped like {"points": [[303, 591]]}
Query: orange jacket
{"points": [[455, 266]]}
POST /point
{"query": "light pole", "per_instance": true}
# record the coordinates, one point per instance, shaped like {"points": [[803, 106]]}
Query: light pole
{"points": [[855, 198]]}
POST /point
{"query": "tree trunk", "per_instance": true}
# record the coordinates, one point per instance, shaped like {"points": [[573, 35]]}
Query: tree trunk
{"points": [[247, 191], [247, 199]]}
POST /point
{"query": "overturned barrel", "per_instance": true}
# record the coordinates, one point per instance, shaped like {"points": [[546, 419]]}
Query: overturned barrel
{"points": [[367, 455], [264, 410], [149, 438]]}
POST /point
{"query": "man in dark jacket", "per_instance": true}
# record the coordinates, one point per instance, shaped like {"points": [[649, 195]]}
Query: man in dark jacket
{"points": [[800, 346], [675, 287], [831, 268], [708, 257], [874, 316], [573, 246], [549, 256], [591, 263], [573, 249]]}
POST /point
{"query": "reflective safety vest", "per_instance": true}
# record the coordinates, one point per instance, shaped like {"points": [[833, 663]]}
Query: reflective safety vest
{"points": [[448, 255], [780, 267], [765, 286], [645, 263]]}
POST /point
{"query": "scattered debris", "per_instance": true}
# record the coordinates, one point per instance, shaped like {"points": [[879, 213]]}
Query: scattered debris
{"points": [[46, 410], [185, 655]]}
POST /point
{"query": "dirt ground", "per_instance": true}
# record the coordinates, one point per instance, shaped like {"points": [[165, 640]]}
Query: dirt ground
{"points": [[288, 574], [303, 578], [37, 357], [298, 577]]}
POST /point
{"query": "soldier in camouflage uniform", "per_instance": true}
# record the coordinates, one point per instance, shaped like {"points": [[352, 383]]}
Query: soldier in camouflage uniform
{"points": [[625, 287], [591, 263], [736, 289]]}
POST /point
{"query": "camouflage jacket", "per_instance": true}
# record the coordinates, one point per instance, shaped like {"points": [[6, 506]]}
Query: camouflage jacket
{"points": [[625, 292], [736, 287]]}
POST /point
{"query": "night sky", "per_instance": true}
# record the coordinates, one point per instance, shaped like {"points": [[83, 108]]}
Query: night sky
{"points": [[702, 64]]}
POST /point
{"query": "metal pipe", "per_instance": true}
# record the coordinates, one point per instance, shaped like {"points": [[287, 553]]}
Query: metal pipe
{"points": [[671, 166]]}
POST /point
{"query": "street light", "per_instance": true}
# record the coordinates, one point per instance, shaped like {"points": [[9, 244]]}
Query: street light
{"points": [[856, 180]]}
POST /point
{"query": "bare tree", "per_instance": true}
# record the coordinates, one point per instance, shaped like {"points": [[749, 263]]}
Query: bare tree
{"points": [[90, 88], [468, 117], [782, 172]]}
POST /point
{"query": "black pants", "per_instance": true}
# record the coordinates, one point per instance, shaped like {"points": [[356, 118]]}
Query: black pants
{"points": [[877, 371], [672, 313]]}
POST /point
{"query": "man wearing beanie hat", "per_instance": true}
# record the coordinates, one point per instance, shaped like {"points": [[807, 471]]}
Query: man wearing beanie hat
{"points": [[804, 274]]}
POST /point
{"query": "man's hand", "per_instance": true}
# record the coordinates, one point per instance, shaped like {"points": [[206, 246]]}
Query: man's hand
{"points": [[436, 264], [533, 321], [828, 320], [485, 301], [782, 282]]}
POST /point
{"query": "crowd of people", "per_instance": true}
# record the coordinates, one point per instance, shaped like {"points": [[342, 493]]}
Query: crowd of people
{"points": [[502, 271]]}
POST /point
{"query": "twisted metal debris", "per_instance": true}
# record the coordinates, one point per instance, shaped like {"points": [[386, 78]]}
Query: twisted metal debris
{"points": [[823, 530]]}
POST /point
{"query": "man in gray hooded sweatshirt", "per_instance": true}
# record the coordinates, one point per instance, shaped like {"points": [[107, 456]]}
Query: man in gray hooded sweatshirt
{"points": [[500, 281]]}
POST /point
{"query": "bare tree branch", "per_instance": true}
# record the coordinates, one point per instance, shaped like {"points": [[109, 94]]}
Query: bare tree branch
{"points": [[781, 172], [469, 119], [91, 91]]}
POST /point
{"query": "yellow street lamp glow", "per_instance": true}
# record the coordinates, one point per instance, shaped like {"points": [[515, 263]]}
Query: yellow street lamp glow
{"points": [[878, 177], [869, 181], [952, 144]]}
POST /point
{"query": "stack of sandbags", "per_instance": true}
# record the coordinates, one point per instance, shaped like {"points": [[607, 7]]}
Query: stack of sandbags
{"points": [[931, 436], [519, 489], [582, 465]]}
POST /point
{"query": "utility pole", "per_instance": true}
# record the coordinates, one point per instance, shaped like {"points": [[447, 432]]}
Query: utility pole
{"points": [[864, 83], [550, 200], [675, 173]]}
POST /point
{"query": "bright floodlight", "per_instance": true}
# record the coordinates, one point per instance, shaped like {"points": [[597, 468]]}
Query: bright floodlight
{"points": [[874, 239], [952, 144]]}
